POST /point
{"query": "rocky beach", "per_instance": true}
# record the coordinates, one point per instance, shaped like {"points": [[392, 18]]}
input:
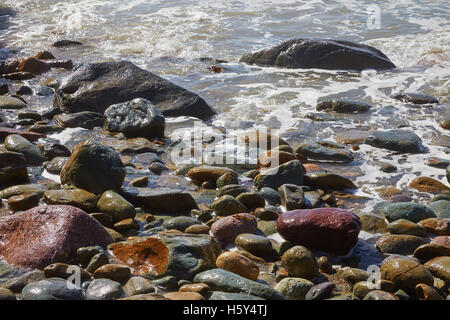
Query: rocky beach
{"points": [[172, 151]]}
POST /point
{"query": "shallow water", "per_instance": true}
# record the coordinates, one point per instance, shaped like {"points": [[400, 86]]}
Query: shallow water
{"points": [[167, 37]]}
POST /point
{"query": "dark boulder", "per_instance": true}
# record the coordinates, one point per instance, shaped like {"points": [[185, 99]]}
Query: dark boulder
{"points": [[96, 86], [321, 54]]}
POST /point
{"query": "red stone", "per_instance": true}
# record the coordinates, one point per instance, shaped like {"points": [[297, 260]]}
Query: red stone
{"points": [[331, 230], [44, 235], [226, 229]]}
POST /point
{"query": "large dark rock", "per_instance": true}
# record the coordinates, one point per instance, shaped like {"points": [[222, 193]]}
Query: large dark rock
{"points": [[332, 230], [96, 86], [94, 167], [48, 234], [321, 54], [135, 118]]}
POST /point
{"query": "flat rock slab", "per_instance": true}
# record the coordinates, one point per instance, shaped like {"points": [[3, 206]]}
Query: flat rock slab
{"points": [[96, 86]]}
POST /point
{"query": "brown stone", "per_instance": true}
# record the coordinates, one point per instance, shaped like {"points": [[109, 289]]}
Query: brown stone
{"points": [[45, 55], [406, 273], [436, 226], [33, 65], [239, 264], [430, 250], [23, 202], [439, 267], [48, 234], [430, 185], [13, 169], [77, 197], [206, 173], [115, 272]]}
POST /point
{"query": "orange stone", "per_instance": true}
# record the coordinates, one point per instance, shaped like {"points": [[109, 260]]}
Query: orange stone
{"points": [[430, 185], [147, 256], [237, 263], [184, 296]]}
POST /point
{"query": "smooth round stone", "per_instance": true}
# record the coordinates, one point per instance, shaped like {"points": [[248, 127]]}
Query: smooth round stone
{"points": [[300, 262], [11, 103], [115, 206], [17, 143], [320, 291], [436, 226], [251, 200], [138, 285], [266, 214], [51, 289], [104, 289], [439, 267], [430, 185], [17, 284], [441, 208], [228, 205], [362, 288], [413, 212], [231, 190], [403, 226], [405, 273], [430, 250], [100, 259], [325, 265], [354, 275], [85, 254], [294, 288], [270, 195], [158, 168], [257, 245], [380, 295], [399, 244], [197, 229], [225, 230], [115, 272], [180, 223], [23, 202]]}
